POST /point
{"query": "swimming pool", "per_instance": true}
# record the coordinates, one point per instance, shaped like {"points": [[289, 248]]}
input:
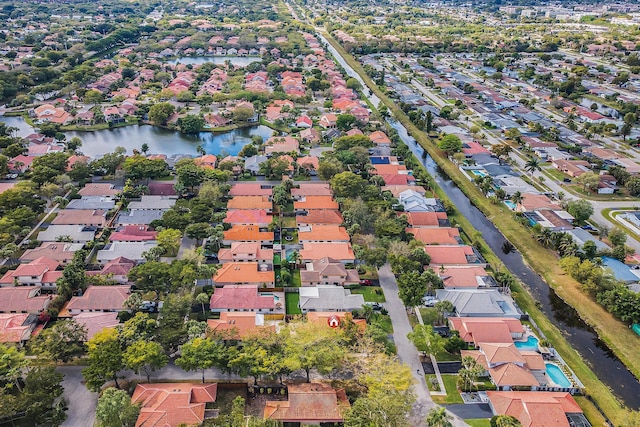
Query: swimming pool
{"points": [[510, 204], [479, 173], [266, 294], [556, 375], [531, 344]]}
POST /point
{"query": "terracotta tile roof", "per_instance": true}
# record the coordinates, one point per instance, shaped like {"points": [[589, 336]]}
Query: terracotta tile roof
{"points": [[310, 162], [425, 219], [244, 233], [172, 404], [243, 272], [533, 360], [240, 297], [533, 201], [95, 322], [510, 374], [463, 276], [80, 217], [312, 189], [323, 233], [244, 324], [248, 217], [309, 403], [35, 268], [444, 255], [439, 236], [397, 179], [101, 298], [319, 216], [328, 317], [118, 267], [315, 202], [98, 189], [478, 330], [317, 250], [23, 299], [249, 189], [390, 169], [250, 202], [379, 137], [397, 189], [501, 353], [252, 251], [535, 408], [133, 233], [13, 328]]}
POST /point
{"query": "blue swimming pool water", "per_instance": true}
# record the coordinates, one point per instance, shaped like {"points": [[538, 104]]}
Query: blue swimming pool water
{"points": [[479, 173], [557, 376], [275, 297], [511, 205], [531, 344]]}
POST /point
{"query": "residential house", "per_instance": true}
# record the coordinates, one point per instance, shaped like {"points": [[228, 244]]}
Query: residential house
{"points": [[480, 303], [509, 368], [133, 233], [239, 325], [323, 233], [23, 299], [538, 409], [281, 144], [244, 298], [311, 136], [395, 190], [328, 271], [555, 220], [329, 121], [311, 189], [60, 252], [244, 273], [436, 235], [380, 139], [116, 270], [174, 404], [138, 217], [94, 218], [255, 217], [476, 330], [334, 319], [96, 321], [464, 277], [152, 203], [453, 255], [92, 203], [98, 189], [206, 161], [319, 216], [426, 219], [573, 168], [246, 252], [247, 233], [629, 165], [314, 251], [329, 298], [413, 201], [39, 272], [16, 328], [68, 233], [100, 298], [252, 164], [309, 404], [129, 250], [306, 203], [250, 202]]}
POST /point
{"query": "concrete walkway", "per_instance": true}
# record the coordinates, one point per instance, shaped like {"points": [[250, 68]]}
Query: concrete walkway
{"points": [[407, 352]]}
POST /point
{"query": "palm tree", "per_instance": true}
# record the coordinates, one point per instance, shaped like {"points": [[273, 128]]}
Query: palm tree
{"points": [[517, 198], [545, 237], [532, 165], [438, 417], [144, 148], [202, 298]]}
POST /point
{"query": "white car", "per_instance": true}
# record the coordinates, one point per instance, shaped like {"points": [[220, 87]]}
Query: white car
{"points": [[430, 301]]}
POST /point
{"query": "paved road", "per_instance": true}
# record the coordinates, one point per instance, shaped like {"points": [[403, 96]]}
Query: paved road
{"points": [[82, 402], [407, 352]]}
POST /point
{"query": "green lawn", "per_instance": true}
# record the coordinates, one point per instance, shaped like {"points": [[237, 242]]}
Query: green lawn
{"points": [[479, 422], [295, 279], [429, 315], [289, 222], [445, 356], [370, 293], [450, 384], [384, 321], [276, 259], [370, 273], [292, 299]]}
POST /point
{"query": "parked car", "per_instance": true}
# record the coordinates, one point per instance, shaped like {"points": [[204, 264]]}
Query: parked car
{"points": [[366, 282], [149, 306], [376, 306], [430, 301]]}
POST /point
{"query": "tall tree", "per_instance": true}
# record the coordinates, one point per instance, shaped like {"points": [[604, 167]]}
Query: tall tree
{"points": [[104, 361], [115, 409], [147, 356], [438, 417], [200, 353], [426, 340], [61, 342]]}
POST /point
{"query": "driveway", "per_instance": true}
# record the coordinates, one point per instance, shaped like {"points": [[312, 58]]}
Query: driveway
{"points": [[407, 352], [471, 410], [82, 402]]}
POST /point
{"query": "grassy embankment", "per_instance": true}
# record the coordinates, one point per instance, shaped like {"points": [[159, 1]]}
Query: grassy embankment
{"points": [[620, 339]]}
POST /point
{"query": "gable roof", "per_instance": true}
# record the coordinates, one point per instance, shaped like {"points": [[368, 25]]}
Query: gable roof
{"points": [[243, 272], [250, 202], [250, 189], [312, 189], [323, 232], [309, 403], [248, 216], [15, 327], [425, 219], [535, 408], [23, 299], [172, 404], [253, 250], [486, 330], [319, 216], [98, 189], [246, 233], [341, 251], [96, 322], [315, 202], [461, 276], [240, 297], [101, 298], [329, 298], [80, 217], [244, 324], [451, 254], [436, 235]]}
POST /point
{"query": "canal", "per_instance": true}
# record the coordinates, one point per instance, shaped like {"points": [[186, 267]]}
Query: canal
{"points": [[159, 140], [581, 336]]}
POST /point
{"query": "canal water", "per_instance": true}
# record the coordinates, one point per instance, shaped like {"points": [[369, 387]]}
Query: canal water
{"points": [[582, 337], [160, 141]]}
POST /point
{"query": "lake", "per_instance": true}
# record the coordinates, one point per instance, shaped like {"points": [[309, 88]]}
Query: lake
{"points": [[241, 61], [160, 141]]}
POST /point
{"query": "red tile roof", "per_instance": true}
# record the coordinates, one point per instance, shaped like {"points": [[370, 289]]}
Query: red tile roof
{"points": [[241, 297], [424, 219], [12, 329], [319, 216], [96, 322], [101, 298], [247, 233], [133, 233], [23, 299], [242, 324], [535, 408], [248, 217], [173, 404], [309, 403]]}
